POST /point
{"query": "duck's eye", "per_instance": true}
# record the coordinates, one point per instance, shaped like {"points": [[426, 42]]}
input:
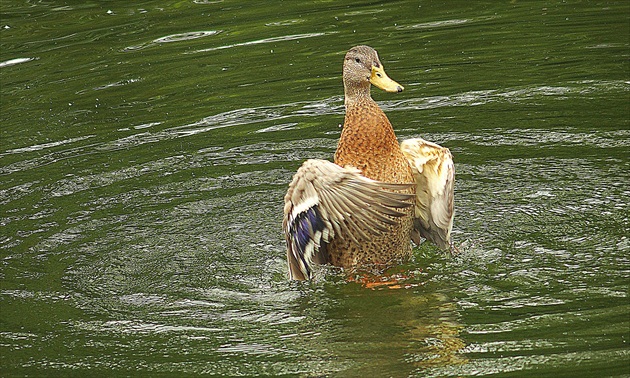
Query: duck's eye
{"points": [[379, 74], [357, 60]]}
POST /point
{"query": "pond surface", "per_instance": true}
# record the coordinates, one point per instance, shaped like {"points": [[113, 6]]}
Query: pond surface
{"points": [[146, 148]]}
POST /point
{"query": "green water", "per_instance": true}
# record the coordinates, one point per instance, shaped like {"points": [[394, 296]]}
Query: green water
{"points": [[146, 148]]}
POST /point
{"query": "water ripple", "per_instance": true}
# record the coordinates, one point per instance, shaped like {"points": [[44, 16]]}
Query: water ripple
{"points": [[38, 147], [265, 40], [444, 23], [137, 327], [515, 95], [285, 22], [250, 349], [260, 114], [188, 36], [12, 62]]}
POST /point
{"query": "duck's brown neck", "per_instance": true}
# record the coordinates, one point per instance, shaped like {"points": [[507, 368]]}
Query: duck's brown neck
{"points": [[356, 92], [367, 141]]}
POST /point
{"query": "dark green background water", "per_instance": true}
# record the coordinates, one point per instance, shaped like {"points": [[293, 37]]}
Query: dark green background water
{"points": [[146, 148]]}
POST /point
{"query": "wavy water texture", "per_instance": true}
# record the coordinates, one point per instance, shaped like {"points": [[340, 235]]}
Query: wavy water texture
{"points": [[333, 106], [146, 150]]}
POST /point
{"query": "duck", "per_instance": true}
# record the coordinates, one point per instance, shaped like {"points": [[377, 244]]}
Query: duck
{"points": [[362, 211]]}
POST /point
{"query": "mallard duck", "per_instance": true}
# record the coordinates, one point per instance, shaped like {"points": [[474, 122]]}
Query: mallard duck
{"points": [[363, 210]]}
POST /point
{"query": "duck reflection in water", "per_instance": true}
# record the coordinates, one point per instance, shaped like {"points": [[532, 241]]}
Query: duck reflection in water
{"points": [[409, 331]]}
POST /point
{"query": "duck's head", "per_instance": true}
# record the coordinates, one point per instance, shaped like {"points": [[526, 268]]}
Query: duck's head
{"points": [[362, 67]]}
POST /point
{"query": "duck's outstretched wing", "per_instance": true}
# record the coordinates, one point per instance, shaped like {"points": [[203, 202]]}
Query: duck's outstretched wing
{"points": [[434, 173], [325, 200]]}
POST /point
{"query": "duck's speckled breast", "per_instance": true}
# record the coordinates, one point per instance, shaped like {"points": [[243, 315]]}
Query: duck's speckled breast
{"points": [[368, 142]]}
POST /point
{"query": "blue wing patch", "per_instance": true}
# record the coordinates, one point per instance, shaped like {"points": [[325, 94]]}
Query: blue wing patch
{"points": [[305, 233]]}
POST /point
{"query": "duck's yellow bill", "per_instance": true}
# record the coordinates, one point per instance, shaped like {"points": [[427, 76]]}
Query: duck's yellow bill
{"points": [[381, 80]]}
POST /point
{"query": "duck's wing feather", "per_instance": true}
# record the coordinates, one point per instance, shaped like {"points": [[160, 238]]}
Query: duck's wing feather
{"points": [[325, 200], [434, 173]]}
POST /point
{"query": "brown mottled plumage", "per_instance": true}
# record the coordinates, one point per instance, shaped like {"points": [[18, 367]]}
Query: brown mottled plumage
{"points": [[363, 211], [368, 142]]}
